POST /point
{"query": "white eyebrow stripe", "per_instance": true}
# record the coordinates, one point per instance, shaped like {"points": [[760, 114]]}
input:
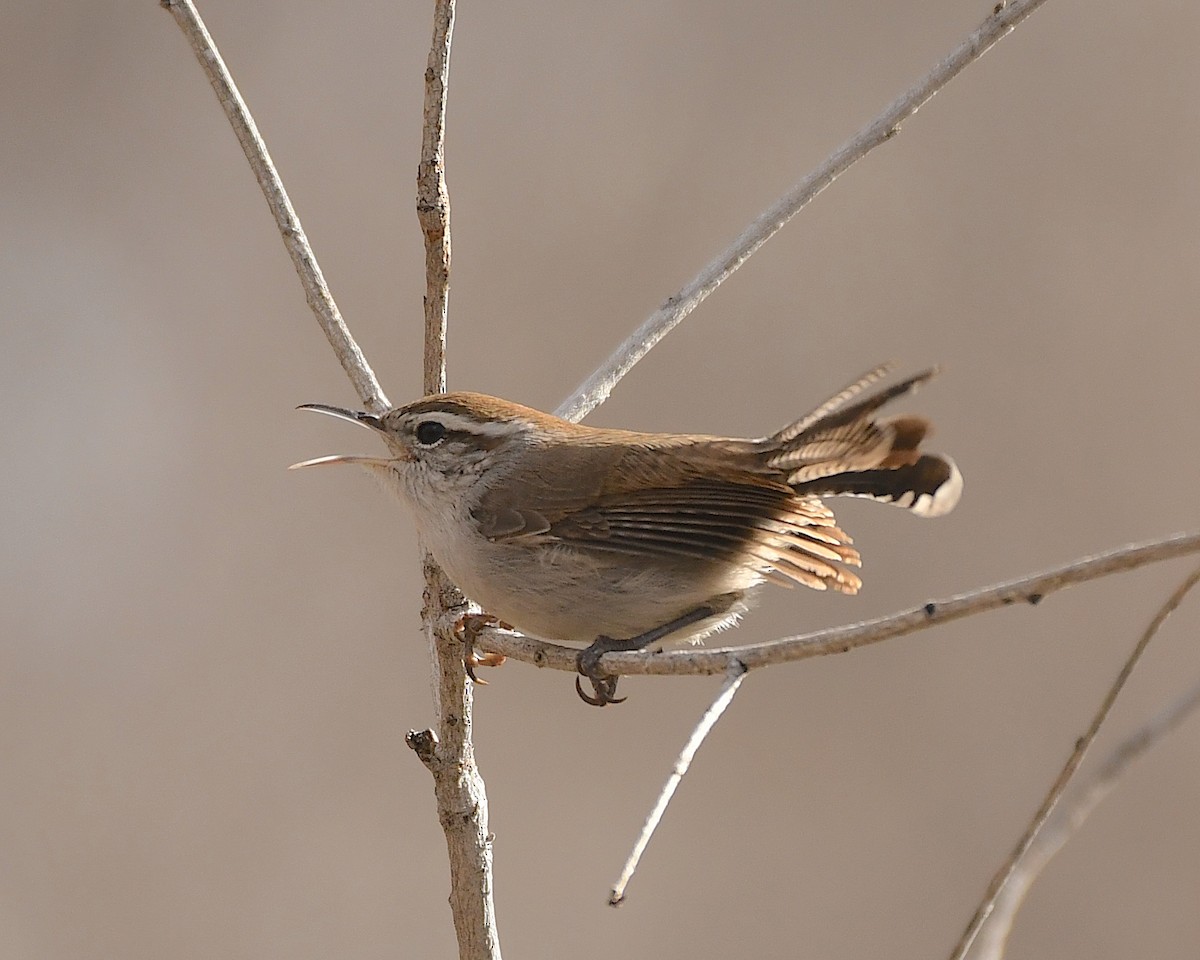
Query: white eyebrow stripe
{"points": [[486, 428]]}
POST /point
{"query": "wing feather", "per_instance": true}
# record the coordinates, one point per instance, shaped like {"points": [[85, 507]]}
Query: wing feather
{"points": [[764, 527]]}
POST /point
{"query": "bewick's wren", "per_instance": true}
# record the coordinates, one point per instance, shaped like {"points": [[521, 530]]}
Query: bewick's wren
{"points": [[621, 539]]}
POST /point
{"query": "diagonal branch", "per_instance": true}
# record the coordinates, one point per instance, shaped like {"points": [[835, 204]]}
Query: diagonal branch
{"points": [[316, 291], [1010, 867], [1069, 816], [694, 661], [595, 390], [720, 703]]}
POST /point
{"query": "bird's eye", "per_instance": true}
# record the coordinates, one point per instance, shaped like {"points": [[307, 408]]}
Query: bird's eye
{"points": [[430, 432]]}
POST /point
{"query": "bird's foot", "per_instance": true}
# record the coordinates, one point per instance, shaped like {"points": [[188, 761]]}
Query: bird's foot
{"points": [[604, 685], [467, 628]]}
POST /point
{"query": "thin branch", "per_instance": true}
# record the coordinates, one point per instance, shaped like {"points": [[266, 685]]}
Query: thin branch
{"points": [[595, 390], [316, 291], [1068, 817], [433, 199], [724, 697], [694, 661], [449, 754], [1006, 872]]}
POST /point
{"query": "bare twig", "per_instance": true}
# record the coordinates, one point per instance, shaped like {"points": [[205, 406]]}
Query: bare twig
{"points": [[450, 754], [724, 697], [1024, 845], [320, 300], [595, 390], [433, 199], [698, 660], [1066, 820]]}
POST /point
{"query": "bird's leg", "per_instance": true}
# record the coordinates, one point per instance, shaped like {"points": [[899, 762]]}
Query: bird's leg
{"points": [[605, 686], [467, 628]]}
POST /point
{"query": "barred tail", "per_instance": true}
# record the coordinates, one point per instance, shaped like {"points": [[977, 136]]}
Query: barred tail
{"points": [[929, 487], [842, 449]]}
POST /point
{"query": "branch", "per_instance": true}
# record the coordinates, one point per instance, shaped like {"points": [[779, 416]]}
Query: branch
{"points": [[693, 661], [724, 698], [1066, 820], [458, 787], [433, 199], [449, 754], [1017, 860], [595, 390], [316, 291]]}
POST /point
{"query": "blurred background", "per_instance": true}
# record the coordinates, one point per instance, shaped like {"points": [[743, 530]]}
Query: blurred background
{"points": [[208, 664]]}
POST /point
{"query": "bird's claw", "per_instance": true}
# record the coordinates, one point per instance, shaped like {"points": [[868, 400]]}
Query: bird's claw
{"points": [[603, 685], [468, 628]]}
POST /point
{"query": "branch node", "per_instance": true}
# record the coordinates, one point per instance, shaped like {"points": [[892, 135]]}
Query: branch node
{"points": [[424, 744]]}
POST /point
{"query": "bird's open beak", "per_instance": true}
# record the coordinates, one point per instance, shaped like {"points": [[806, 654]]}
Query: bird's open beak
{"points": [[321, 461], [354, 416]]}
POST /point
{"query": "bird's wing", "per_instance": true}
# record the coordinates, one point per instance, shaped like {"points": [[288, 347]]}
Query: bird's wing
{"points": [[648, 502]]}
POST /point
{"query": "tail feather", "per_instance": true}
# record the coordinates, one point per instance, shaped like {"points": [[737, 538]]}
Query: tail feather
{"points": [[929, 487], [907, 434], [841, 449], [834, 412]]}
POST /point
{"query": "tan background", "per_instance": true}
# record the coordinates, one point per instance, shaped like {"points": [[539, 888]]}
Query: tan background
{"points": [[208, 663]]}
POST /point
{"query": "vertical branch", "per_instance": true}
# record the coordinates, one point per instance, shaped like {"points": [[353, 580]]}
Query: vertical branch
{"points": [[433, 200], [457, 785], [449, 753]]}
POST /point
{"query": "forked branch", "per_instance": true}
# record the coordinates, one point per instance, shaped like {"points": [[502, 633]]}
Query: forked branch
{"points": [[1055, 822], [1068, 817], [448, 753], [1021, 858]]}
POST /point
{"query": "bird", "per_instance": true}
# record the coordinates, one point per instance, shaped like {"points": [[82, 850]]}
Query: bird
{"points": [[624, 540]]}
